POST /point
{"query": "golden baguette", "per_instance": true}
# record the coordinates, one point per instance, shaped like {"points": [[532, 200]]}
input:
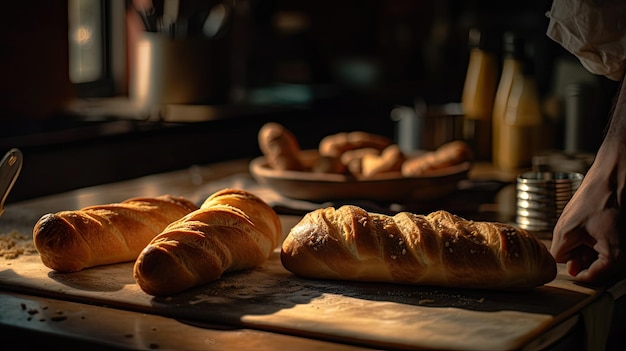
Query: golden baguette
{"points": [[69, 241], [233, 230], [438, 249]]}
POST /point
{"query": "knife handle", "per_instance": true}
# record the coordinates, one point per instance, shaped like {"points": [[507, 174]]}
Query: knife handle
{"points": [[10, 168]]}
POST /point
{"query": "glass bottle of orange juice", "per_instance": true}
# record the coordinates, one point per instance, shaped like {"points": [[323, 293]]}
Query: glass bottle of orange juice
{"points": [[478, 93], [513, 53], [520, 127]]}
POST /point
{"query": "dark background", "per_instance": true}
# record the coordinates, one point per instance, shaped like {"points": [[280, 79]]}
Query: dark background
{"points": [[415, 48]]}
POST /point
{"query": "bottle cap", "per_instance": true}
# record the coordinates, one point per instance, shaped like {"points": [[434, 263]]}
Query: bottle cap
{"points": [[513, 44], [480, 39]]}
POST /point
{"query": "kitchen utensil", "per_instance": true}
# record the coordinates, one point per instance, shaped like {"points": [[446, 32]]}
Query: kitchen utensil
{"points": [[217, 21], [423, 127], [10, 168], [392, 187], [172, 71]]}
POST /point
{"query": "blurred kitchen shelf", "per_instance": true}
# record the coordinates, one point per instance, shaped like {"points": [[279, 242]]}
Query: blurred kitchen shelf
{"points": [[95, 143]]}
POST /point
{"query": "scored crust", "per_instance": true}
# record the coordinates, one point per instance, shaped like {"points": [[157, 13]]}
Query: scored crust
{"points": [[440, 249]]}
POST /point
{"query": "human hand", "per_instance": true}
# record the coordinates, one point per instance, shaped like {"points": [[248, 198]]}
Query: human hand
{"points": [[589, 234]]}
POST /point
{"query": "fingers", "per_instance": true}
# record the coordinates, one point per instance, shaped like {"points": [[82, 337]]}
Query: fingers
{"points": [[574, 267], [566, 247], [580, 259], [578, 249], [599, 271], [600, 263]]}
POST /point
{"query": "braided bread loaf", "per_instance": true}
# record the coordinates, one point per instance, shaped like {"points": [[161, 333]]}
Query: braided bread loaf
{"points": [[438, 249], [233, 230], [70, 241]]}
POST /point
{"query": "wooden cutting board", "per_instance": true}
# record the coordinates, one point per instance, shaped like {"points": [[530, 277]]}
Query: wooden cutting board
{"points": [[376, 315]]}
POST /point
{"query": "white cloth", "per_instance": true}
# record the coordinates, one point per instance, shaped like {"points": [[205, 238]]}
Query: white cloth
{"points": [[594, 31]]}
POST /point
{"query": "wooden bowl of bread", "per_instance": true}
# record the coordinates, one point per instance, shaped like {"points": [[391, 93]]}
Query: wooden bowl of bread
{"points": [[357, 166]]}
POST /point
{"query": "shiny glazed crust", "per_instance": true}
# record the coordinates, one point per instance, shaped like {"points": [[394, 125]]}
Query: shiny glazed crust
{"points": [[233, 230], [70, 241], [438, 249]]}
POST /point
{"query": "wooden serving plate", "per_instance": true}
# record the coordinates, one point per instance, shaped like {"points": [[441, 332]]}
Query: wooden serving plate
{"points": [[389, 187]]}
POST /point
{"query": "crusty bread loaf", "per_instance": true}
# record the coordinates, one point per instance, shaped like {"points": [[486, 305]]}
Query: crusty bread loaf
{"points": [[438, 249], [70, 241], [233, 230], [280, 147]]}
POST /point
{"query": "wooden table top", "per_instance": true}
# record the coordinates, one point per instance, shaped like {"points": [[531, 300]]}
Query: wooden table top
{"points": [[139, 330]]}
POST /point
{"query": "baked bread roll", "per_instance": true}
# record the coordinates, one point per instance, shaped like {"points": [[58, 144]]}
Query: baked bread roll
{"points": [[390, 160], [438, 249], [70, 241], [233, 230], [329, 164], [353, 159], [446, 155], [336, 144], [280, 147], [358, 154]]}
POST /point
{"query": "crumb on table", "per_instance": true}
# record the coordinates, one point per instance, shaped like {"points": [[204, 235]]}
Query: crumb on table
{"points": [[14, 244]]}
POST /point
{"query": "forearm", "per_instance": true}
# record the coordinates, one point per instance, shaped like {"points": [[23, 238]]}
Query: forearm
{"points": [[609, 167], [616, 129]]}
